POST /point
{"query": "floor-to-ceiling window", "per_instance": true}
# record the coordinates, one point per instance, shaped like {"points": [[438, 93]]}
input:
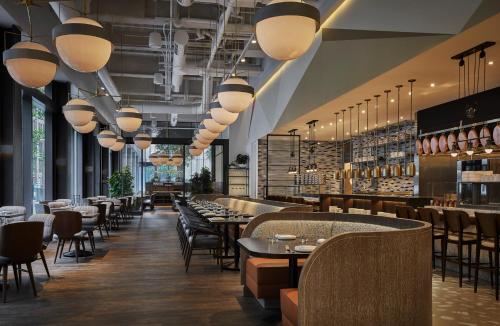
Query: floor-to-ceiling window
{"points": [[38, 150]]}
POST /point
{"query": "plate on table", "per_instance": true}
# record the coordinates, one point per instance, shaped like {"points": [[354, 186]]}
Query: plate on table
{"points": [[203, 211], [286, 237], [216, 219], [304, 248], [209, 214], [320, 241]]}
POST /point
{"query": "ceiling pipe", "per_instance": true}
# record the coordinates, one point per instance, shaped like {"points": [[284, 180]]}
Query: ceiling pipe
{"points": [[223, 19], [170, 109], [181, 39]]}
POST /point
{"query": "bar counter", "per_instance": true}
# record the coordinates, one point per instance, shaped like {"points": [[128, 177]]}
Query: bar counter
{"points": [[373, 202]]}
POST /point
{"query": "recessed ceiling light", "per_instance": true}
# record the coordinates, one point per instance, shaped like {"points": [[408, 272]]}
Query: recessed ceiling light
{"points": [[102, 88], [306, 138], [347, 133], [333, 138], [366, 128], [340, 120], [254, 41], [243, 60], [331, 123], [409, 93], [363, 112], [490, 63], [392, 100], [388, 121], [401, 117], [322, 127], [433, 85]]}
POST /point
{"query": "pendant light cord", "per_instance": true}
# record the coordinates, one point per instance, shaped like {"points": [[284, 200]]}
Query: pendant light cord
{"points": [[375, 130], [387, 91], [359, 141], [399, 129]]}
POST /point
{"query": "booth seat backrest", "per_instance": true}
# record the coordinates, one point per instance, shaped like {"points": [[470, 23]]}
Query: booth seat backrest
{"points": [[370, 278], [313, 229], [64, 200], [48, 221], [247, 207]]}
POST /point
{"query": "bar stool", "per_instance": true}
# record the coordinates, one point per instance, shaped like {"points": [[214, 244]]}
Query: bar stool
{"points": [[455, 222], [488, 235], [432, 216]]}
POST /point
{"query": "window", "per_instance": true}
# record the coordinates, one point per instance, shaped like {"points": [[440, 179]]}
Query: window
{"points": [[38, 150]]}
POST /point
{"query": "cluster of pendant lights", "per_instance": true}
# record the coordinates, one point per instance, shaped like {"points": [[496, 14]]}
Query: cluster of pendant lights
{"points": [[161, 158]]}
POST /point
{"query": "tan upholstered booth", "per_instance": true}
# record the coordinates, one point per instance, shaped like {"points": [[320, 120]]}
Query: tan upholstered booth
{"points": [[372, 270]]}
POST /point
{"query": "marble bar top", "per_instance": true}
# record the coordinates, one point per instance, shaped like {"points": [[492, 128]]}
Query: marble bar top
{"points": [[394, 197]]}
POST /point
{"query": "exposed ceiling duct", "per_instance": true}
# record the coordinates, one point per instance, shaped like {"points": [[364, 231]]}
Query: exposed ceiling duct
{"points": [[181, 39], [171, 109]]}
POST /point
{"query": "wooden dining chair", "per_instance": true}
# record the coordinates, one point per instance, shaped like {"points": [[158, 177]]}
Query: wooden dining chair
{"points": [[68, 227]]}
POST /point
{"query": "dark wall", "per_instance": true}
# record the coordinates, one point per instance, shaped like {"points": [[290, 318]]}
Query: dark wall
{"points": [[449, 115]]}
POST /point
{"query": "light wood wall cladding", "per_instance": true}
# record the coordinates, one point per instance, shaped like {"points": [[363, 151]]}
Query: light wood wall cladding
{"points": [[327, 159]]}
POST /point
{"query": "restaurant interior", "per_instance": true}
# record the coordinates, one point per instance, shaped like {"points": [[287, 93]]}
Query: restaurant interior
{"points": [[250, 162]]}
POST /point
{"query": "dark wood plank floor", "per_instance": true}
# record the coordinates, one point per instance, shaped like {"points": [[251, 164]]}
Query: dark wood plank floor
{"points": [[138, 278]]}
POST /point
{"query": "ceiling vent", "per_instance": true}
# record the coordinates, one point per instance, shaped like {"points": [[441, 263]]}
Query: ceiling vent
{"points": [[158, 78], [155, 40]]}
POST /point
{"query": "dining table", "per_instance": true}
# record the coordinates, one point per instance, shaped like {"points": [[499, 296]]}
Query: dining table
{"points": [[276, 249], [82, 252]]}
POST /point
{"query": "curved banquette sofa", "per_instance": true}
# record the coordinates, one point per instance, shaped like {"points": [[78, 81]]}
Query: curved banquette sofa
{"points": [[371, 270]]}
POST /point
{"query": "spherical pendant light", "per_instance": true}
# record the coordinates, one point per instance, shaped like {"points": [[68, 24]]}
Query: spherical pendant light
{"points": [[207, 134], [177, 159], [78, 112], [163, 158], [106, 138], [285, 29], [142, 140], [235, 95], [82, 44], [30, 64], [153, 158], [89, 127], [200, 145], [195, 151], [128, 119], [201, 139], [221, 115], [213, 126], [119, 144]]}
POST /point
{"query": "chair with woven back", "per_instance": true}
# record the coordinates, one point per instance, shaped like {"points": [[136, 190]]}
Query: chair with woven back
{"points": [[432, 216], [488, 238], [19, 244], [457, 223]]}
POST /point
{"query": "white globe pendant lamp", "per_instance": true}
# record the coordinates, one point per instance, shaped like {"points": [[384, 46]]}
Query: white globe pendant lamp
{"points": [[163, 158], [82, 44], [87, 128], [198, 137], [195, 151], [285, 29], [199, 144], [119, 144], [142, 140], [207, 134], [235, 95], [30, 64], [153, 158], [128, 119], [221, 115], [177, 159], [78, 112], [106, 138], [213, 126]]}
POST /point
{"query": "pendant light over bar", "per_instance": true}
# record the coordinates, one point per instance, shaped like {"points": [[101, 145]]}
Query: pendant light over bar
{"points": [[410, 167], [286, 29], [357, 171], [396, 168], [368, 171], [292, 167], [376, 169], [82, 44], [351, 171], [343, 172], [337, 173], [386, 171]]}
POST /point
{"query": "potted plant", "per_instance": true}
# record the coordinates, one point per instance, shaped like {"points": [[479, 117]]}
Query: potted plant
{"points": [[201, 183], [242, 160], [121, 183]]}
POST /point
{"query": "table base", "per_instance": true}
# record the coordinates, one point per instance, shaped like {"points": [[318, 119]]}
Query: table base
{"points": [[81, 253]]}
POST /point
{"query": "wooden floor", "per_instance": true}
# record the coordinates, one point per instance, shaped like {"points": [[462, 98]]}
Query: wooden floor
{"points": [[138, 278]]}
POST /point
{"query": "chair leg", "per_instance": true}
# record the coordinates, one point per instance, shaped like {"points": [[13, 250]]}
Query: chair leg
{"points": [[4, 283], [490, 256], [100, 232], [44, 263], [77, 248], [497, 271], [443, 259], [433, 254], [188, 257], [62, 248], [20, 274], [469, 259], [478, 261], [32, 279], [460, 263], [16, 276], [57, 250], [70, 244]]}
